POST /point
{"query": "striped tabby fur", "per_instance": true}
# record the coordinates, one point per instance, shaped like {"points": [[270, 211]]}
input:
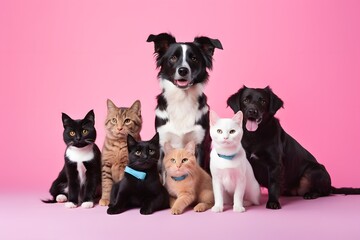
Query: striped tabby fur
{"points": [[119, 123]]}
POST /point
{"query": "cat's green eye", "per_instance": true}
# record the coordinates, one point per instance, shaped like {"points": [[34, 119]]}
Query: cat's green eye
{"points": [[173, 160], [138, 153], [127, 121], [72, 133], [114, 120], [219, 131], [184, 160], [151, 152], [232, 131], [85, 132]]}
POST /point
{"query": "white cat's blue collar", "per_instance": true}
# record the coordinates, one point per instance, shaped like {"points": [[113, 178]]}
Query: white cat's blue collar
{"points": [[227, 157], [138, 174], [180, 178]]}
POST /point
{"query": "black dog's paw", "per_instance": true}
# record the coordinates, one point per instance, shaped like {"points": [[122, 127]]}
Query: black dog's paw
{"points": [[311, 195], [273, 205], [146, 211], [113, 210]]}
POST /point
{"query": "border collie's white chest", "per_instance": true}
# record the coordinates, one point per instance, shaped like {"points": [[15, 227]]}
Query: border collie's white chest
{"points": [[80, 155], [182, 113]]}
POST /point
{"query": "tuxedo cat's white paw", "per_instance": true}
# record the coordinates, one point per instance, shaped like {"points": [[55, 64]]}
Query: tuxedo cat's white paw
{"points": [[238, 208], [70, 205], [61, 198], [217, 208], [87, 205]]}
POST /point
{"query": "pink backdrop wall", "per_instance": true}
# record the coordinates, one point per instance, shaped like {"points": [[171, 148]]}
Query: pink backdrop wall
{"points": [[70, 56]]}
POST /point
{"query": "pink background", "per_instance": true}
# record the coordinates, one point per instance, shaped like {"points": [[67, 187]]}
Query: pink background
{"points": [[70, 56]]}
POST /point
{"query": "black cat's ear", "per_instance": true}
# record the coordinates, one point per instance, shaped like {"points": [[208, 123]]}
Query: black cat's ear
{"points": [[136, 107], [130, 141], [162, 42], [90, 116], [234, 101], [275, 102], [66, 119], [155, 139]]}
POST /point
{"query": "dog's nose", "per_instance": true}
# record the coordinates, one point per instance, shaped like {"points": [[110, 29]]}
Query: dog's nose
{"points": [[253, 112], [183, 71]]}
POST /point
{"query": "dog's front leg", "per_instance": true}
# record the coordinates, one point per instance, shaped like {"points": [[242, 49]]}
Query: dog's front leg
{"points": [[274, 186]]}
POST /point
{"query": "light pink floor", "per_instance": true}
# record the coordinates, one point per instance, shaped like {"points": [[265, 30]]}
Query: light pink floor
{"points": [[23, 216]]}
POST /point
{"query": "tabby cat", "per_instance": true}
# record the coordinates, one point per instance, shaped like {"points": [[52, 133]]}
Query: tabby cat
{"points": [[141, 186], [186, 182], [119, 123], [80, 178]]}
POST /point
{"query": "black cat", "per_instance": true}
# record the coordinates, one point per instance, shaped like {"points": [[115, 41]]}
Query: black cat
{"points": [[141, 185], [80, 179]]}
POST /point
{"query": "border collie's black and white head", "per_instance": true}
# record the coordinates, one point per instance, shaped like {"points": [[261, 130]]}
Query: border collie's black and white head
{"points": [[183, 64]]}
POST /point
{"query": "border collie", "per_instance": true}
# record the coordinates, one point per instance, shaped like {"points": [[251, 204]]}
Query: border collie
{"points": [[182, 113]]}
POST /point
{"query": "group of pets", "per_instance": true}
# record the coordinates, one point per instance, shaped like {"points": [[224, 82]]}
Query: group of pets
{"points": [[195, 158]]}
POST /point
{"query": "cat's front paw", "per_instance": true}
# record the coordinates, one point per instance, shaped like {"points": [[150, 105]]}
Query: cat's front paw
{"points": [[104, 202], [87, 205], [176, 211], [217, 208], [70, 205], [273, 205], [61, 198], [146, 211], [238, 209]]}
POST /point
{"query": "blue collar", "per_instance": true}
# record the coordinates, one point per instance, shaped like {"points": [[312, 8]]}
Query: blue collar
{"points": [[227, 157], [180, 178], [138, 174]]}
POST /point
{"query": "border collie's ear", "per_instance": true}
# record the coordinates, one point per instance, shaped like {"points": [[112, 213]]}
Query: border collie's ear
{"points": [[208, 45], [162, 42], [275, 102], [234, 100]]}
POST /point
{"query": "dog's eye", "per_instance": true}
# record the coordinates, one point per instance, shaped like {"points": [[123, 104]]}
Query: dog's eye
{"points": [[219, 131], [194, 59], [173, 58], [232, 131], [246, 100], [263, 102]]}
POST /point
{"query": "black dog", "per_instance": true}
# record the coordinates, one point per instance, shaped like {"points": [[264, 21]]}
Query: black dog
{"points": [[279, 162]]}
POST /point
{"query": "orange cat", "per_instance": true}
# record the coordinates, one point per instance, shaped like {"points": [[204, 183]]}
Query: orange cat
{"points": [[186, 182]]}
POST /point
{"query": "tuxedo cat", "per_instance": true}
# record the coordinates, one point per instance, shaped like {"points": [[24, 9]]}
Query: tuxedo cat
{"points": [[140, 186], [232, 175], [80, 179]]}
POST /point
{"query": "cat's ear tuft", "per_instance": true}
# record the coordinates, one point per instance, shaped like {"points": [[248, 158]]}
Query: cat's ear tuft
{"points": [[136, 107], [213, 117], [110, 105], [238, 117], [190, 147], [90, 116], [167, 147], [65, 119], [130, 141]]}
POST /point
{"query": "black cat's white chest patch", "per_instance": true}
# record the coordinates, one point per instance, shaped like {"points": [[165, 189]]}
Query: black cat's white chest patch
{"points": [[76, 154]]}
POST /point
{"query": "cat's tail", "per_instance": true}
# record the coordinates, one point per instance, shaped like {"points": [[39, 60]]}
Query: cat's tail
{"points": [[345, 190], [49, 200]]}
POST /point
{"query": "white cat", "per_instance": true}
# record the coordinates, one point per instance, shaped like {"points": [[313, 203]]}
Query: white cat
{"points": [[232, 175]]}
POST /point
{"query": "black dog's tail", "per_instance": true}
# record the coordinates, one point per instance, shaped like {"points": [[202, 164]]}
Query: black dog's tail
{"points": [[49, 201], [345, 190]]}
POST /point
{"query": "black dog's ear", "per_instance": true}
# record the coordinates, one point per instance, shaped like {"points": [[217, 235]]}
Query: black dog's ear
{"points": [[208, 45], [275, 102], [234, 100], [162, 42]]}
